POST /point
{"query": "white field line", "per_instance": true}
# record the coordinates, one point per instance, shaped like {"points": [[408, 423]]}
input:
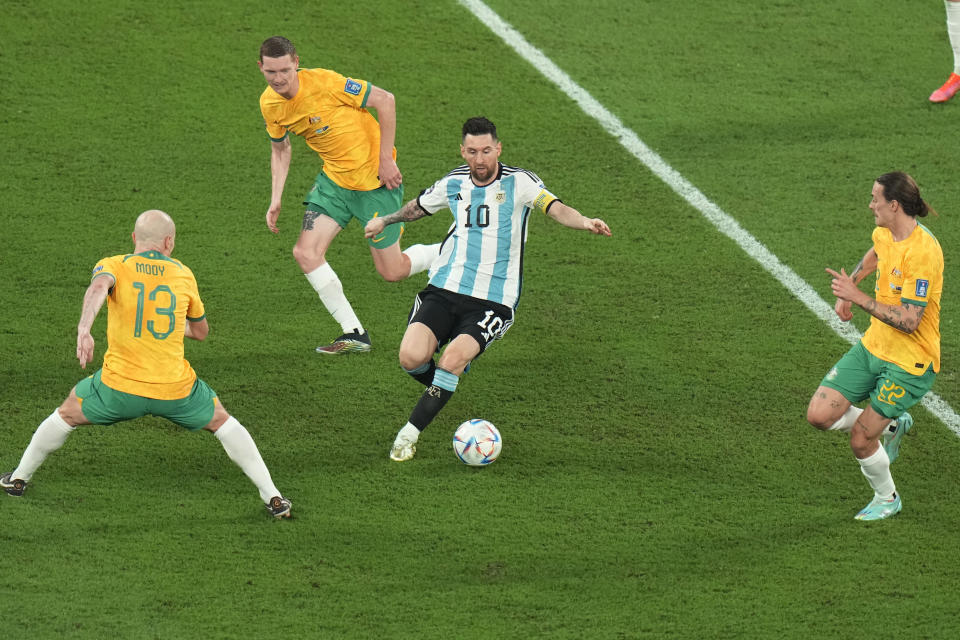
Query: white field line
{"points": [[721, 220]]}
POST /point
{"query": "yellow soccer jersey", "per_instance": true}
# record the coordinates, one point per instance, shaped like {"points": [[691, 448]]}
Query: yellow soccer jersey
{"points": [[908, 271], [147, 308], [328, 112]]}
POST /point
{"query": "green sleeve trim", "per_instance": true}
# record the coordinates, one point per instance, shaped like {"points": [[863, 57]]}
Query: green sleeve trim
{"points": [[918, 303], [285, 136], [365, 96], [197, 319]]}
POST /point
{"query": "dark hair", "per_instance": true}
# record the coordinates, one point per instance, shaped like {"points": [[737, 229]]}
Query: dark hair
{"points": [[899, 186], [277, 47], [479, 126]]}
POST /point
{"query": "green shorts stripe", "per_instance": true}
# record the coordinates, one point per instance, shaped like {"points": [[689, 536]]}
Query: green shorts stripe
{"points": [[330, 199], [102, 404]]}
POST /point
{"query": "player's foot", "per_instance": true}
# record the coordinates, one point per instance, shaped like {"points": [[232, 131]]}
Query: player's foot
{"points": [[879, 509], [403, 448], [947, 91], [279, 507], [13, 487], [353, 342], [891, 439]]}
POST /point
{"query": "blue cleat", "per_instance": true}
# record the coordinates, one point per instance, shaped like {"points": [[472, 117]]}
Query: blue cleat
{"points": [[879, 509], [891, 440]]}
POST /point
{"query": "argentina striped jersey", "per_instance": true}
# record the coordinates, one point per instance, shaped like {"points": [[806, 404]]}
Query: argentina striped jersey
{"points": [[483, 258]]}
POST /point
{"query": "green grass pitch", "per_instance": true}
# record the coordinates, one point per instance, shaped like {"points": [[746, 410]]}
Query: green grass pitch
{"points": [[658, 479]]}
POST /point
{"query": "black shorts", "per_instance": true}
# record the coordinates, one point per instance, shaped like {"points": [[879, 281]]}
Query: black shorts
{"points": [[450, 314]]}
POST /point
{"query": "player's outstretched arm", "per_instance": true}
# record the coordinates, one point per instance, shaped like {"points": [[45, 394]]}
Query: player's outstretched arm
{"points": [[570, 217], [407, 213], [386, 106], [93, 300], [280, 154]]}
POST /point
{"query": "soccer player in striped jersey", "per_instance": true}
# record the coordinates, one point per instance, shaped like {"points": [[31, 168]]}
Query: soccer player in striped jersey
{"points": [[360, 178], [152, 305], [475, 282], [897, 360]]}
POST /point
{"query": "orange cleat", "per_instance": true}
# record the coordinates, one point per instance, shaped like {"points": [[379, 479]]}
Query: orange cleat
{"points": [[950, 87]]}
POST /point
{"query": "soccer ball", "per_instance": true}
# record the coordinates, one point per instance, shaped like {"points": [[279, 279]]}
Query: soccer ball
{"points": [[477, 443]]}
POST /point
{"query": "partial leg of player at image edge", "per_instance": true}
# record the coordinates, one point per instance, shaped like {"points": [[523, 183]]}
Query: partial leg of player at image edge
{"points": [[952, 85]]}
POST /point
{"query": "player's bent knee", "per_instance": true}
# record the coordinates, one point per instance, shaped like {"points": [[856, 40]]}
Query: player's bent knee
{"points": [[410, 359], [819, 418], [307, 258]]}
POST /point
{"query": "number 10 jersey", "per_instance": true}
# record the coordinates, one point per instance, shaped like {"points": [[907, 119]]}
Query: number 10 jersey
{"points": [[483, 257]]}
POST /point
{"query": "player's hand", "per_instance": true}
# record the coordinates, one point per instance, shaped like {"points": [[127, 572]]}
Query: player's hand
{"points": [[843, 285], [373, 228], [273, 213], [844, 310], [389, 173], [597, 226], [84, 349]]}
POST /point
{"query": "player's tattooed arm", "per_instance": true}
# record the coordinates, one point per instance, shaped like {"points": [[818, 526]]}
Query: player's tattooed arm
{"points": [[904, 317], [867, 264], [407, 213]]}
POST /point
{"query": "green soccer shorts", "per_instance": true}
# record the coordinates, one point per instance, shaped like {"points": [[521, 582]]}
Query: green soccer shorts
{"points": [[859, 375], [104, 405], [330, 199]]}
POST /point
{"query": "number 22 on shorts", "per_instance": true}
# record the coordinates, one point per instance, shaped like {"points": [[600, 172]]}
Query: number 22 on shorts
{"points": [[890, 392]]}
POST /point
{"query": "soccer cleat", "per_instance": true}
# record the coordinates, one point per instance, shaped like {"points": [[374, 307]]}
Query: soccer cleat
{"points": [[947, 91], [13, 487], [279, 507], [879, 509], [403, 449], [891, 440], [353, 342]]}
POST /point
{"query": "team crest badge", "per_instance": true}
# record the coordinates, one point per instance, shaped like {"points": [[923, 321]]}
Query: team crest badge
{"points": [[922, 286], [501, 197], [352, 87]]}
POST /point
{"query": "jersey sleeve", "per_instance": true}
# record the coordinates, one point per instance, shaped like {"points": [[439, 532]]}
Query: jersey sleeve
{"points": [[434, 198], [269, 112], [195, 309], [534, 193], [920, 270], [348, 91], [106, 267]]}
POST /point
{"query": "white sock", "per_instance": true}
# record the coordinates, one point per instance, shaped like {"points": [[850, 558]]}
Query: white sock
{"points": [[421, 256], [847, 420], [876, 469], [325, 282], [409, 433], [239, 445], [49, 436], [953, 31]]}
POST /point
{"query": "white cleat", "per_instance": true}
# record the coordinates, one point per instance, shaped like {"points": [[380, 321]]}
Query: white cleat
{"points": [[403, 449]]}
